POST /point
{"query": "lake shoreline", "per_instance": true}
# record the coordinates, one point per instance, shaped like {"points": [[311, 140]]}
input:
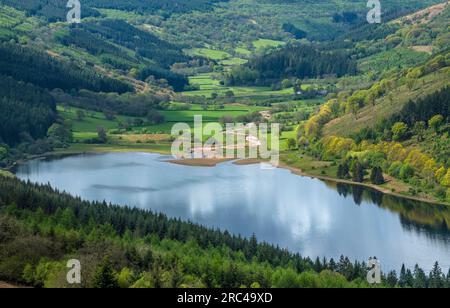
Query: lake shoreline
{"points": [[90, 149], [365, 185], [297, 171], [199, 162], [210, 163], [205, 162]]}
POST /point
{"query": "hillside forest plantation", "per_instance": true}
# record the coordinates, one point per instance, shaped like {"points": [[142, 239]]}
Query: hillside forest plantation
{"points": [[364, 116]]}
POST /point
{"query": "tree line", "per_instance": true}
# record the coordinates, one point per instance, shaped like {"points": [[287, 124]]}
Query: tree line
{"points": [[128, 104], [431, 113], [177, 81], [167, 7]]}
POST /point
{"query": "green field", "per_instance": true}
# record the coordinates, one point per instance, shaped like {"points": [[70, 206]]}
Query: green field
{"points": [[208, 85], [224, 58], [118, 14], [87, 127], [209, 53], [208, 115], [265, 43], [205, 82], [243, 51], [233, 61], [91, 121], [242, 92], [163, 148]]}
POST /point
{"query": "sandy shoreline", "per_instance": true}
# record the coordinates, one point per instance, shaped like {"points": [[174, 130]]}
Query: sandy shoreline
{"points": [[199, 162]]}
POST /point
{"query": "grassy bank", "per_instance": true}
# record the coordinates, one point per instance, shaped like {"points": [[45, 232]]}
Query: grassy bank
{"points": [[305, 165], [163, 148]]}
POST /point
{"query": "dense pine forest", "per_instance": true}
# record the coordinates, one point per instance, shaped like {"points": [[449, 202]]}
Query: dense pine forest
{"points": [[26, 111], [293, 62]]}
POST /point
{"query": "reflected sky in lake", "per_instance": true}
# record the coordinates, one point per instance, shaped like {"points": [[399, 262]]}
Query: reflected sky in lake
{"points": [[302, 214]]}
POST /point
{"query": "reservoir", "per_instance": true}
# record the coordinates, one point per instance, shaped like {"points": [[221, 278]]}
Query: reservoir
{"points": [[305, 215]]}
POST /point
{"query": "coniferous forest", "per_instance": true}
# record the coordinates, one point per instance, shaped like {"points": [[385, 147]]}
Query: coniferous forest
{"points": [[26, 110], [299, 61]]}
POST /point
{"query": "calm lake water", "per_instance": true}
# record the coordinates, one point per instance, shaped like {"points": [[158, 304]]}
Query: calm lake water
{"points": [[302, 214]]}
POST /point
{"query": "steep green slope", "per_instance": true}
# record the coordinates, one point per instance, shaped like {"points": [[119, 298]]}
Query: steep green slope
{"points": [[33, 65], [408, 85], [122, 46]]}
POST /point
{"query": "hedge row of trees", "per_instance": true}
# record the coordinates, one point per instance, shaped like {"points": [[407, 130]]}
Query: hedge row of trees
{"points": [[129, 104], [358, 171]]}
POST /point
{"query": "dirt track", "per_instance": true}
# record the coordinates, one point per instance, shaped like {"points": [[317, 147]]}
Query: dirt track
{"points": [[4, 285]]}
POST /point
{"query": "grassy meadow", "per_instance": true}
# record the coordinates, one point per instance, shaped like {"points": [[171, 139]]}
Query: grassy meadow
{"points": [[261, 44], [208, 85]]}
